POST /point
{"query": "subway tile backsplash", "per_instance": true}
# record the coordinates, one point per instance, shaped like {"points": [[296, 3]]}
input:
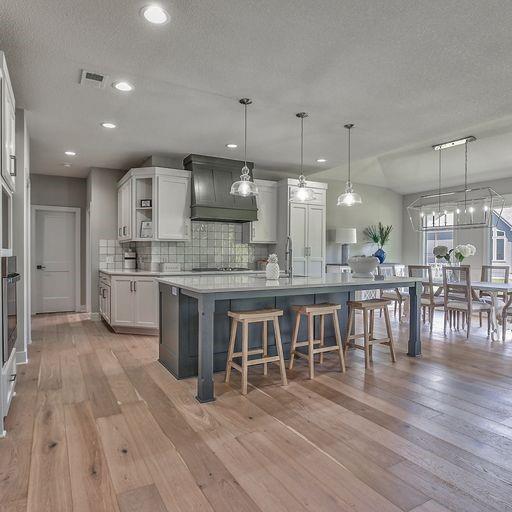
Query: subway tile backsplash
{"points": [[212, 244]]}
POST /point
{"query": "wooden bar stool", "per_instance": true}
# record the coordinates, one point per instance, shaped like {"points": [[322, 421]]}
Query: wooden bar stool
{"points": [[311, 311], [369, 306], [246, 318]]}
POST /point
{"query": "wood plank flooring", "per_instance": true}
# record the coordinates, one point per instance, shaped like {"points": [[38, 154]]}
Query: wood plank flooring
{"points": [[98, 425]]}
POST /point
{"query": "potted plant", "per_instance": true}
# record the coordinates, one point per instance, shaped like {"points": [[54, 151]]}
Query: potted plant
{"points": [[379, 235]]}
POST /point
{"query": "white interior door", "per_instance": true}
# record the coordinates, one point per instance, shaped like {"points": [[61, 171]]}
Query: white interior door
{"points": [[54, 261]]}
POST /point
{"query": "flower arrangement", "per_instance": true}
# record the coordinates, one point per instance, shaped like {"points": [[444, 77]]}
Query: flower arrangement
{"points": [[378, 234], [441, 252]]}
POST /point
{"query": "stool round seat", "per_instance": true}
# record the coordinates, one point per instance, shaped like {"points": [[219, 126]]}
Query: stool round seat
{"points": [[245, 318], [316, 346]]}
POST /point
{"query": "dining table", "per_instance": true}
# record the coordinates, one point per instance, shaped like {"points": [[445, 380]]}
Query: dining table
{"points": [[492, 291]]}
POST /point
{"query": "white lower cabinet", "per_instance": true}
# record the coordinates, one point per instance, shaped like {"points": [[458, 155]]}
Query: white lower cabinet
{"points": [[134, 302], [8, 380]]}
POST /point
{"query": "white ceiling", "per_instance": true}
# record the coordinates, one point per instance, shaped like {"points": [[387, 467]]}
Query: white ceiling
{"points": [[409, 74]]}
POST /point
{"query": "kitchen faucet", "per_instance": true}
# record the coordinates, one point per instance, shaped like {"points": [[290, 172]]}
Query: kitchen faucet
{"points": [[289, 256]]}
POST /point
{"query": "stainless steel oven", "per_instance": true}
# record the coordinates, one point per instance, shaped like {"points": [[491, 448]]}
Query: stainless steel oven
{"points": [[9, 307]]}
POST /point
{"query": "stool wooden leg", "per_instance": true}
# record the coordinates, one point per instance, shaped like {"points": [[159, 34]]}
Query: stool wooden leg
{"points": [[322, 330], [367, 337], [294, 339], [264, 335], [431, 317], [390, 336], [231, 349], [245, 355], [279, 347], [337, 335], [371, 335], [311, 356], [349, 329]]}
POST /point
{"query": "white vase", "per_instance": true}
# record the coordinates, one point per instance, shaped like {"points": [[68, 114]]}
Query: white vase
{"points": [[272, 271]]}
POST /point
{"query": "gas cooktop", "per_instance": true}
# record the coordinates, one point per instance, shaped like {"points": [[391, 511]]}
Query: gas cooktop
{"points": [[220, 269]]}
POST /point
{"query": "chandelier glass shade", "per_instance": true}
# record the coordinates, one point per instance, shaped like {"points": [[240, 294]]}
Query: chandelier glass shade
{"points": [[465, 208], [244, 187]]}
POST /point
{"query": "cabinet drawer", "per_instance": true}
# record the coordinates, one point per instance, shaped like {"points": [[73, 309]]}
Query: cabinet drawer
{"points": [[8, 382]]}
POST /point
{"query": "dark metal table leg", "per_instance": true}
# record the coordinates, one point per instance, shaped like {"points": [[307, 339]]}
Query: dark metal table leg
{"points": [[414, 349], [205, 386]]}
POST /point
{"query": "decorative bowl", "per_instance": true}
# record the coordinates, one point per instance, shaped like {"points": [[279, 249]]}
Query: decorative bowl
{"points": [[363, 266]]}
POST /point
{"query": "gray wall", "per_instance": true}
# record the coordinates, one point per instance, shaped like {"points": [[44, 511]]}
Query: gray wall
{"points": [[64, 191], [477, 237], [379, 204], [102, 200]]}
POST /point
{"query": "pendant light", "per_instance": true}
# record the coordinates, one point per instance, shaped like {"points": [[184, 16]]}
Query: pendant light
{"points": [[465, 208], [245, 187], [349, 197], [302, 193]]}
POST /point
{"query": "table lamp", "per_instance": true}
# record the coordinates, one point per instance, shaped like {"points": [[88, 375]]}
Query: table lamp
{"points": [[345, 236]]}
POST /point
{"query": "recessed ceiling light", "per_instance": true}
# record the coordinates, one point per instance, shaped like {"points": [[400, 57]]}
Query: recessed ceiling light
{"points": [[66, 165], [123, 86], [70, 153], [321, 160], [109, 125], [231, 146], [155, 14]]}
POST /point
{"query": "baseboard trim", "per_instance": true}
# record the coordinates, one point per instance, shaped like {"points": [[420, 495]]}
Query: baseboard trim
{"points": [[95, 317], [21, 357], [82, 309]]}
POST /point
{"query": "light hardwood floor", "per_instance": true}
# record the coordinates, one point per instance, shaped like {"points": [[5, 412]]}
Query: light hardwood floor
{"points": [[98, 425]]}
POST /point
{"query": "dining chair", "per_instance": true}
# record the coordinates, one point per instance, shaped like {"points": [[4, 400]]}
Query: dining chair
{"points": [[491, 274], [397, 296], [429, 300], [459, 300]]}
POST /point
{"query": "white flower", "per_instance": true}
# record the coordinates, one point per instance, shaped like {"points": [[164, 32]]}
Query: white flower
{"points": [[464, 251], [440, 251]]}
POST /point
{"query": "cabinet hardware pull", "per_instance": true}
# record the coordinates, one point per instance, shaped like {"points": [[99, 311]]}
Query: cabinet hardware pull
{"points": [[13, 377], [124, 230], [13, 159], [134, 286], [131, 286]]}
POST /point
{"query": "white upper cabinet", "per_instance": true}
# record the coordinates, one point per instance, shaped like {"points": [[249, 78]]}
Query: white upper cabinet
{"points": [[173, 207], [264, 230], [157, 206], [8, 126]]}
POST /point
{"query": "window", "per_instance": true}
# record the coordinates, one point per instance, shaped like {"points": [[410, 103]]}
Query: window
{"points": [[498, 245], [433, 238]]}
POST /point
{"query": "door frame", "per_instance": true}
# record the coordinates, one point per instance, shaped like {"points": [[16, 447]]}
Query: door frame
{"points": [[78, 270]]}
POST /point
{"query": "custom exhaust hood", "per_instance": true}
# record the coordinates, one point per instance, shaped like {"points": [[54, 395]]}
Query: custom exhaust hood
{"points": [[211, 183]]}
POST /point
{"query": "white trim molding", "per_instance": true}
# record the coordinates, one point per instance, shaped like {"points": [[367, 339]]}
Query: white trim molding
{"points": [[78, 270]]}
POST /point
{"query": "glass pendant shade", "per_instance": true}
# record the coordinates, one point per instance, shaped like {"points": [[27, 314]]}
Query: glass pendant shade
{"points": [[349, 197], [244, 187], [302, 193]]}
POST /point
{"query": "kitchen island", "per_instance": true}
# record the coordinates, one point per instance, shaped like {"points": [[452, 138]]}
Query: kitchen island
{"points": [[194, 327]]}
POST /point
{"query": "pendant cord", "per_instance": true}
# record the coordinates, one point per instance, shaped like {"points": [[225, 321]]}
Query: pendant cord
{"points": [[349, 155], [439, 193], [302, 146], [465, 174], [245, 134]]}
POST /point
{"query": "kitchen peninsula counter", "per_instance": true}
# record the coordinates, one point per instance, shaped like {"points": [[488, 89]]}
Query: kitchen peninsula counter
{"points": [[194, 327]]}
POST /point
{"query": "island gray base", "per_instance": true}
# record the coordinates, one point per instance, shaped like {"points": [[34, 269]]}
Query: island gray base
{"points": [[179, 321]]}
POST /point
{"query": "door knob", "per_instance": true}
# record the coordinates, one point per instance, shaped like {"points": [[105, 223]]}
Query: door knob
{"points": [[40, 267]]}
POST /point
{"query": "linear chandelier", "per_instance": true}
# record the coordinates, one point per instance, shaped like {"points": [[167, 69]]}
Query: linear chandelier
{"points": [[465, 208]]}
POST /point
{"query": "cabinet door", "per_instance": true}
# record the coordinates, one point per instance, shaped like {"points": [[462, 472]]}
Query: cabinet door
{"points": [[316, 240], [120, 213], [298, 234], [264, 230], [127, 210], [122, 301], [101, 300], [173, 206], [8, 135], [106, 303], [146, 303]]}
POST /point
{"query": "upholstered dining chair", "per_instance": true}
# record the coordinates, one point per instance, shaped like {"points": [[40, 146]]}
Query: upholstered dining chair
{"points": [[459, 300], [429, 300], [495, 273], [397, 296]]}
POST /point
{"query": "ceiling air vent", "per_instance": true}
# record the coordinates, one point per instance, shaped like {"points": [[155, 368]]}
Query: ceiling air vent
{"points": [[92, 79]]}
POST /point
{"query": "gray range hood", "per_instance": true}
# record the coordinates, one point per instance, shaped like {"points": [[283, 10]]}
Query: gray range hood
{"points": [[211, 182]]}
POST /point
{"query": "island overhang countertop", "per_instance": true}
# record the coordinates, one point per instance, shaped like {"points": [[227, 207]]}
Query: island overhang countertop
{"points": [[246, 283]]}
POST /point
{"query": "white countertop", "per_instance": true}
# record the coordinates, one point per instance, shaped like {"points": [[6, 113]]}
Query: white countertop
{"points": [[176, 273], [233, 283]]}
